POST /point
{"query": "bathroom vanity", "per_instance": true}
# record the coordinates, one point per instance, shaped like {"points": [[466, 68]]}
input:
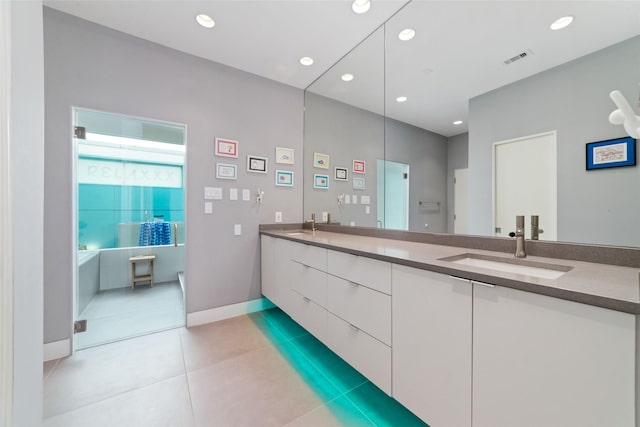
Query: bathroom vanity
{"points": [[542, 341]]}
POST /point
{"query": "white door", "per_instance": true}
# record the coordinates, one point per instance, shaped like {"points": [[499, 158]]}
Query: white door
{"points": [[461, 201], [524, 177], [393, 197]]}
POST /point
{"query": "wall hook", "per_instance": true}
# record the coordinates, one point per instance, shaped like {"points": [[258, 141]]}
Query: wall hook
{"points": [[624, 115], [259, 196]]}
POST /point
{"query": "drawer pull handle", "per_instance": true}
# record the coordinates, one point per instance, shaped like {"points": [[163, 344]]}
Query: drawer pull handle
{"points": [[488, 285], [354, 327], [354, 284], [460, 279], [305, 299]]}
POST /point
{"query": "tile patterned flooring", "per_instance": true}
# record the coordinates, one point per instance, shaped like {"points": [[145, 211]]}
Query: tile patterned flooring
{"points": [[260, 369], [124, 313]]}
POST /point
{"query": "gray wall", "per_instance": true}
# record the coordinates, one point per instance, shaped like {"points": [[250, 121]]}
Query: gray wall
{"points": [[598, 206], [347, 133], [457, 158], [90, 66], [426, 154], [26, 160]]}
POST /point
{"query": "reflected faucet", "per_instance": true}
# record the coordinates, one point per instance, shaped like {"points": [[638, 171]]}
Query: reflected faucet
{"points": [[519, 235], [534, 227], [312, 221]]}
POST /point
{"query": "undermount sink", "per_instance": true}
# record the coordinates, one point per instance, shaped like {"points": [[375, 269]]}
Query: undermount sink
{"points": [[506, 265], [298, 233]]}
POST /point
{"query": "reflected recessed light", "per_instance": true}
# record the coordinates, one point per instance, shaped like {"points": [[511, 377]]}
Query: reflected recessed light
{"points": [[306, 61], [205, 20], [562, 22], [347, 77], [360, 6], [407, 34], [457, 122], [401, 98]]}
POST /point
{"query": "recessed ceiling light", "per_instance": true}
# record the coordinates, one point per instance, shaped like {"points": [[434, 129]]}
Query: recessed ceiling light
{"points": [[360, 6], [306, 61], [347, 77], [401, 98], [562, 22], [407, 34], [457, 122], [205, 20]]}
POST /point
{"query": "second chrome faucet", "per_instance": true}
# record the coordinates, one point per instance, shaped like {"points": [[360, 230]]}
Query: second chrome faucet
{"points": [[519, 235]]}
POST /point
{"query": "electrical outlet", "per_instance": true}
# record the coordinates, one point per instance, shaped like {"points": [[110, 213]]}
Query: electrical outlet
{"points": [[325, 216], [237, 229], [278, 216]]}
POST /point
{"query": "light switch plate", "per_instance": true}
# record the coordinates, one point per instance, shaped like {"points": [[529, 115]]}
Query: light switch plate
{"points": [[365, 200], [325, 216], [278, 216], [347, 199], [212, 193], [246, 195], [233, 194], [367, 209], [237, 229], [208, 207], [354, 199]]}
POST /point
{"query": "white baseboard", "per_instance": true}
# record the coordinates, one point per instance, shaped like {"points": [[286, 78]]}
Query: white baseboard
{"points": [[227, 311], [57, 349]]}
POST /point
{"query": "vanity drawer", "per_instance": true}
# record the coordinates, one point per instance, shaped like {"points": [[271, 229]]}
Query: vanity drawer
{"points": [[313, 256], [309, 282], [365, 353], [363, 307], [362, 270], [309, 315]]}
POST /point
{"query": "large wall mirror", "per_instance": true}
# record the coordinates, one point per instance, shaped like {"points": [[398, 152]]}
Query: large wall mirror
{"points": [[500, 69]]}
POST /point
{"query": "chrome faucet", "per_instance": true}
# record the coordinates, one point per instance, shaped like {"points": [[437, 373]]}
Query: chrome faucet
{"points": [[312, 221], [519, 235]]}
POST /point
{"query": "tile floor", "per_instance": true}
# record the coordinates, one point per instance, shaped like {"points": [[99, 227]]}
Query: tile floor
{"points": [[124, 313], [260, 369]]}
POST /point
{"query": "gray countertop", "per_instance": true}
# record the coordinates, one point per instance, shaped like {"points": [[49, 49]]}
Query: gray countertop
{"points": [[602, 285]]}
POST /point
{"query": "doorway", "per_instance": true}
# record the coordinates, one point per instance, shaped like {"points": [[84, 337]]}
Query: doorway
{"points": [[393, 195], [129, 209], [461, 201], [525, 183]]}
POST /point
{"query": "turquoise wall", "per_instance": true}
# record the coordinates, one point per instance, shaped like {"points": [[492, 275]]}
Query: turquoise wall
{"points": [[102, 207]]}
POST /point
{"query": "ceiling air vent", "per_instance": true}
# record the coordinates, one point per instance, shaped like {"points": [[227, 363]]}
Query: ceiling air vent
{"points": [[518, 57]]}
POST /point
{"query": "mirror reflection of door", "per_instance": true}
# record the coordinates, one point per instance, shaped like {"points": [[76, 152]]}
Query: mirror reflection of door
{"points": [[525, 184], [461, 201], [393, 195]]}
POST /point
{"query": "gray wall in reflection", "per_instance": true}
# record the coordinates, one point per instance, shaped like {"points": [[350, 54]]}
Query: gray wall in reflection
{"points": [[598, 206]]}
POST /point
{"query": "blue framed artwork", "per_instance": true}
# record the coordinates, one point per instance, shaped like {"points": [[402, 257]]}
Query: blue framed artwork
{"points": [[611, 153], [321, 181], [284, 178]]}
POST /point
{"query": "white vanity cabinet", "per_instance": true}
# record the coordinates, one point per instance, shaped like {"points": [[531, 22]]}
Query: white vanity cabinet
{"points": [[359, 322], [470, 354], [274, 264], [432, 346], [542, 361]]}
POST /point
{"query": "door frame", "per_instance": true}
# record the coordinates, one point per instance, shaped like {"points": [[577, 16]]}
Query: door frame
{"points": [[552, 133], [74, 210]]}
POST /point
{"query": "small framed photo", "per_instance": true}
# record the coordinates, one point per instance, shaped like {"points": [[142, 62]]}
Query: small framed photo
{"points": [[225, 171], [284, 178], [284, 155], [321, 181], [341, 174], [358, 183], [611, 153], [226, 148], [320, 160], [256, 164], [359, 166]]}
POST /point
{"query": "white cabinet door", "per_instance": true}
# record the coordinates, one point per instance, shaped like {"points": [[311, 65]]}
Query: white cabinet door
{"points": [[274, 264], [542, 361], [432, 346]]}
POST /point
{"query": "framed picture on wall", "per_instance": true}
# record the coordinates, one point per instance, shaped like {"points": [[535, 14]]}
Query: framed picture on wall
{"points": [[225, 171], [256, 164], [341, 174], [321, 181], [284, 178], [359, 166], [226, 148], [358, 183], [320, 160], [284, 155], [611, 153]]}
